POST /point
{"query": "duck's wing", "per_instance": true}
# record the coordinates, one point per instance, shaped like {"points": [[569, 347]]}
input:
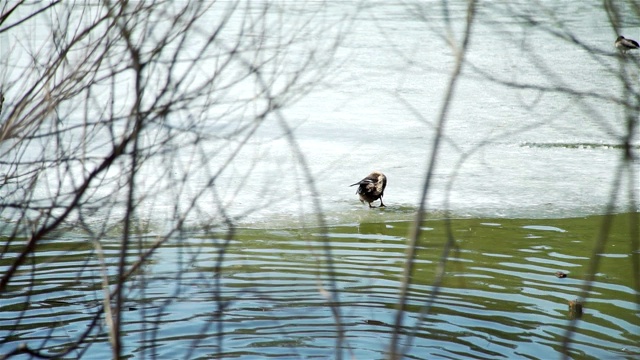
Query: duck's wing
{"points": [[627, 43], [381, 184], [367, 180], [364, 186]]}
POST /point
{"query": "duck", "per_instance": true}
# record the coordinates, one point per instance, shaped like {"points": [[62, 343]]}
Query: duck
{"points": [[623, 44], [371, 188]]}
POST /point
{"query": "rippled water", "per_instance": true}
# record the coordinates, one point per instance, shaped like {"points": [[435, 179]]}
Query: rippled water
{"points": [[267, 297]]}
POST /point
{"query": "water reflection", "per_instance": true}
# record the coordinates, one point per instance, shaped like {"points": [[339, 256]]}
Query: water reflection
{"points": [[500, 298]]}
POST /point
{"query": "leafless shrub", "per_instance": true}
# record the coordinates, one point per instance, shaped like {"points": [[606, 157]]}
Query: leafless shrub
{"points": [[114, 108]]}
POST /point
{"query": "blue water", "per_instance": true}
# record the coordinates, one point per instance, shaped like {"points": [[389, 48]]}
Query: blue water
{"points": [[268, 296]]}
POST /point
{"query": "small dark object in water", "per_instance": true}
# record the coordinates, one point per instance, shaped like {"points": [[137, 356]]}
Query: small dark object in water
{"points": [[575, 309], [371, 188], [625, 45], [374, 322], [561, 275]]}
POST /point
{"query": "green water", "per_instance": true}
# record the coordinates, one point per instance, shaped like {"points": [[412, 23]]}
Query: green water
{"points": [[267, 294]]}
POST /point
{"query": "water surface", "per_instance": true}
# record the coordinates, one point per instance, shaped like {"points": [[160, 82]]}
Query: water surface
{"points": [[267, 296]]}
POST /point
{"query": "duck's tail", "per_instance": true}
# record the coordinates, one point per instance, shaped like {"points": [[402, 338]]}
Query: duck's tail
{"points": [[363, 181]]}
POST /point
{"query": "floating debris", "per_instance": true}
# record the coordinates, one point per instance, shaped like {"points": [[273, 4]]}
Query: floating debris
{"points": [[575, 309], [560, 274], [374, 322]]}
